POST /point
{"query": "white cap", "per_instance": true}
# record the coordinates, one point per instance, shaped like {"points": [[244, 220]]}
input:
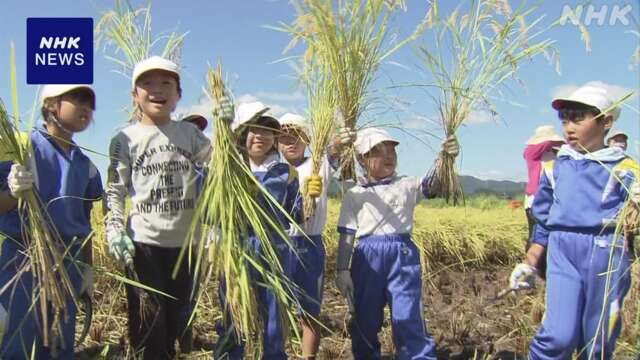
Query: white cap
{"points": [[153, 63], [198, 119], [250, 112], [596, 96], [49, 91], [368, 138], [616, 133], [296, 120]]}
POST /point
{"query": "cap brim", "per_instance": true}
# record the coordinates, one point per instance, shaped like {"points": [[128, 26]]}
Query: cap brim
{"points": [[199, 120], [268, 121], [171, 72], [534, 140], [394, 142], [559, 103]]}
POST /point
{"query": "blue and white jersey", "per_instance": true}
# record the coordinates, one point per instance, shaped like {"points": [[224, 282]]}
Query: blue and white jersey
{"points": [[67, 184], [583, 192], [381, 208], [281, 181]]}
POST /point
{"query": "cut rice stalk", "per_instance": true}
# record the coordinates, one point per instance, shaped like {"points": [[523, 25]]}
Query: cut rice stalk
{"points": [[347, 40], [230, 206], [473, 55]]}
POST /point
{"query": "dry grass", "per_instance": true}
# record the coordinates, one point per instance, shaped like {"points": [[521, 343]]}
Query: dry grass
{"points": [[456, 302]]}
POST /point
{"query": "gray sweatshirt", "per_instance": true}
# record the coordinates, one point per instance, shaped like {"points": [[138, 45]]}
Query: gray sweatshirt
{"points": [[157, 167]]}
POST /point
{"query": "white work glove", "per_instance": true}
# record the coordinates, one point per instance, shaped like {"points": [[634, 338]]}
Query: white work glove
{"points": [[634, 192], [121, 247], [19, 180], [344, 283], [87, 282], [345, 136], [523, 277], [451, 146], [224, 109]]}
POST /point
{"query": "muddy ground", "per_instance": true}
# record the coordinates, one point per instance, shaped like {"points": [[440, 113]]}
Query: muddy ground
{"points": [[460, 307]]}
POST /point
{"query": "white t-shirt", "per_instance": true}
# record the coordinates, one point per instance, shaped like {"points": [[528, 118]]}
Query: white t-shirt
{"points": [[380, 209], [315, 224], [154, 166]]}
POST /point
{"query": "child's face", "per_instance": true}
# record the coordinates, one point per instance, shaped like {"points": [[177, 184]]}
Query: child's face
{"points": [[74, 110], [291, 145], [619, 141], [157, 94], [260, 141], [381, 161], [587, 132]]}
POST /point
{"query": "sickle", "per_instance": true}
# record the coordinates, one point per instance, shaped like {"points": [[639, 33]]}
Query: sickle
{"points": [[87, 305]]}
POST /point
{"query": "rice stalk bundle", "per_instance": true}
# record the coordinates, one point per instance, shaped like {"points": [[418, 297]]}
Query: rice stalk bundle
{"points": [[322, 115], [230, 205], [45, 249], [472, 56], [128, 32], [350, 39]]}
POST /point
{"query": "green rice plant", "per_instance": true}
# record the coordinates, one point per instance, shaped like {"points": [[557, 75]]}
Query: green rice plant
{"points": [[349, 41], [128, 30], [229, 204], [45, 249], [472, 55]]}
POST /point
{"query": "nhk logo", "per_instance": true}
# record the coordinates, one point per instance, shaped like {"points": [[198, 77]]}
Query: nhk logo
{"points": [[59, 50]]}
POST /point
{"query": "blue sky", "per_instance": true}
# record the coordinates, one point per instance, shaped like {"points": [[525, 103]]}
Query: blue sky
{"points": [[234, 32]]}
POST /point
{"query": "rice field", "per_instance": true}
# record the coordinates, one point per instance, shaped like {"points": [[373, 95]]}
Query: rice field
{"points": [[467, 255]]}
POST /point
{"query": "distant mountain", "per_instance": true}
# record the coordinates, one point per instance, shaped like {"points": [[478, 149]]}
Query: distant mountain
{"points": [[472, 185]]}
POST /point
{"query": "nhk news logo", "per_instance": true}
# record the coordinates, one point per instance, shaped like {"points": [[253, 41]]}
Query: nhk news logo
{"points": [[59, 50]]}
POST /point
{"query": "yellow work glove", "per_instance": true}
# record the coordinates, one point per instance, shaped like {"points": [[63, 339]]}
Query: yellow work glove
{"points": [[313, 186]]}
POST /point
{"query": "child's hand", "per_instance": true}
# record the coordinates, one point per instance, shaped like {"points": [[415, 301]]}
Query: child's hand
{"points": [[523, 276], [224, 109], [313, 186], [451, 146], [19, 180], [345, 136], [344, 283], [121, 247]]}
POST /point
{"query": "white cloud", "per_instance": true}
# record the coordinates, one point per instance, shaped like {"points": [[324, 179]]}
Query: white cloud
{"points": [[245, 98], [497, 175], [479, 117], [417, 122], [277, 97], [203, 107]]}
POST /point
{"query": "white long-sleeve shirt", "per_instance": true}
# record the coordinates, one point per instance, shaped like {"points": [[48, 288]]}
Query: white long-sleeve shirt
{"points": [[155, 167]]}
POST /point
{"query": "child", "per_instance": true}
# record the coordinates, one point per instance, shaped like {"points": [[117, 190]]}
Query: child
{"points": [[577, 207], [385, 267], [67, 182], [619, 139], [540, 149], [308, 270], [153, 162], [257, 139]]}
